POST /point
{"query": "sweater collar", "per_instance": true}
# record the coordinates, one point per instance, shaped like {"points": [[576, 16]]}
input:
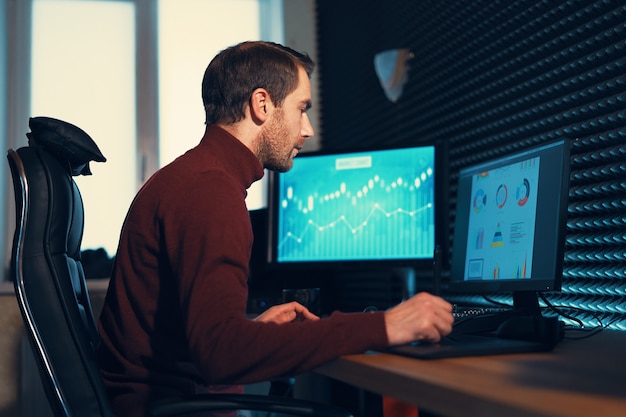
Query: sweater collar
{"points": [[242, 163]]}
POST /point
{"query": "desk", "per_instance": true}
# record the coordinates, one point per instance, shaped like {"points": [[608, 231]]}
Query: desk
{"points": [[579, 378]]}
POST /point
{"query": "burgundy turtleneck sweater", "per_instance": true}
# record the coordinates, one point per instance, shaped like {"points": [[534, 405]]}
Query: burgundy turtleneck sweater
{"points": [[174, 320]]}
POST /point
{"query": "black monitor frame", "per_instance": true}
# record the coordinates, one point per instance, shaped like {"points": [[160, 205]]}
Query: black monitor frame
{"points": [[423, 263], [549, 232]]}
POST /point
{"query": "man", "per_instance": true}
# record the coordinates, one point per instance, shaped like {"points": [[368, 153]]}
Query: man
{"points": [[174, 319]]}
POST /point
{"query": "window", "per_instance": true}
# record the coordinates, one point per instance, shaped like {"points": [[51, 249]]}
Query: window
{"points": [[83, 72], [84, 65]]}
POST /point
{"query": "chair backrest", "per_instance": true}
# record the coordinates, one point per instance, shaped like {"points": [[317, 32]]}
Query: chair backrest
{"points": [[49, 280]]}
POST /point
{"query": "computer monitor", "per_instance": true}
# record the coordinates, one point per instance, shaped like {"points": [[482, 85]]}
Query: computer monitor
{"points": [[354, 209], [509, 232]]}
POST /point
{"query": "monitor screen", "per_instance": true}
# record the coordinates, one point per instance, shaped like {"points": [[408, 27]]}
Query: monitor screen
{"points": [[376, 206], [509, 231]]}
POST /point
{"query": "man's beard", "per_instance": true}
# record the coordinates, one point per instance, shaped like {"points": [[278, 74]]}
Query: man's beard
{"points": [[271, 150]]}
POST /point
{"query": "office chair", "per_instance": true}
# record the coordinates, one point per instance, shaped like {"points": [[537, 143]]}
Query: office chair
{"points": [[51, 289]]}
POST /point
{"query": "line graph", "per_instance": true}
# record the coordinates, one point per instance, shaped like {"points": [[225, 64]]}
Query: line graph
{"points": [[354, 229], [377, 212]]}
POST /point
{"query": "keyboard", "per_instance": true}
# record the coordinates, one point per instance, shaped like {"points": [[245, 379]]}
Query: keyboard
{"points": [[475, 332], [462, 312], [459, 345], [471, 319]]}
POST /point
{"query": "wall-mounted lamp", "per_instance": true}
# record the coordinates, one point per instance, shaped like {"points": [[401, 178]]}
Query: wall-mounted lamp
{"points": [[392, 69]]}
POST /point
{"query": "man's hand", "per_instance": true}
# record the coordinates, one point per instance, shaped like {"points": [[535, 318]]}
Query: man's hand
{"points": [[421, 317], [286, 313]]}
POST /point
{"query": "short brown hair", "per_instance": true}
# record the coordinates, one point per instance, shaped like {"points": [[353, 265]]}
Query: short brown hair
{"points": [[237, 71]]}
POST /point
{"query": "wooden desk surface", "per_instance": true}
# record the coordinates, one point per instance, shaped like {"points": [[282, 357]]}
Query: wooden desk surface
{"points": [[579, 378]]}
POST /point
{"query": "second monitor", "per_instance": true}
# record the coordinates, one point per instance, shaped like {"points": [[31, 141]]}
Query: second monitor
{"points": [[353, 208]]}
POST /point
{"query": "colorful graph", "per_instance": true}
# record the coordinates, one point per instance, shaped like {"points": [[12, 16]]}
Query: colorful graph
{"points": [[480, 201], [497, 240], [522, 192], [502, 195]]}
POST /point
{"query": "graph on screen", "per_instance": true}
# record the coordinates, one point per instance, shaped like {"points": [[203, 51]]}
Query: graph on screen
{"points": [[504, 210], [358, 206]]}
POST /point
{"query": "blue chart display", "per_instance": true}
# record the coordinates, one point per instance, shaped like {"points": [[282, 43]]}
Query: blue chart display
{"points": [[359, 206]]}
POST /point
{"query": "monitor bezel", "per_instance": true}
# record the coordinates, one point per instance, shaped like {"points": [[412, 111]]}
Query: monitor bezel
{"points": [[346, 265], [550, 281]]}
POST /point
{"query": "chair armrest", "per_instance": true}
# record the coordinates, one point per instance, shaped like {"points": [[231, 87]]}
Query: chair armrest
{"points": [[225, 402]]}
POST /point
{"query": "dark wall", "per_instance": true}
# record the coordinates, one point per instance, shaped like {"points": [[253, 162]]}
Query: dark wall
{"points": [[489, 77]]}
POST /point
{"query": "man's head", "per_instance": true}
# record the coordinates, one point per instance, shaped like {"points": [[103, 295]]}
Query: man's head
{"points": [[261, 92], [237, 71]]}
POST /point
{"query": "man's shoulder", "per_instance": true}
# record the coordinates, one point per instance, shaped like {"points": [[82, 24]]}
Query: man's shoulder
{"points": [[189, 169]]}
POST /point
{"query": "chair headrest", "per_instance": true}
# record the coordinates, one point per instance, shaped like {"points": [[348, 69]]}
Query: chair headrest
{"points": [[65, 141]]}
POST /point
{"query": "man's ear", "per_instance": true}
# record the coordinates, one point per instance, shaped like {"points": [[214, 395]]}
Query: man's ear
{"points": [[260, 104]]}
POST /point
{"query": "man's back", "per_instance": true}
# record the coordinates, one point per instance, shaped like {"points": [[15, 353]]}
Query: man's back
{"points": [[174, 320]]}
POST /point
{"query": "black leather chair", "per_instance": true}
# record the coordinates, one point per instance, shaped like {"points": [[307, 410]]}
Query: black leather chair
{"points": [[51, 290]]}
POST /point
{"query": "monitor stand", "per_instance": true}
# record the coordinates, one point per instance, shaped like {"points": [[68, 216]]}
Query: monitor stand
{"points": [[526, 302], [523, 322]]}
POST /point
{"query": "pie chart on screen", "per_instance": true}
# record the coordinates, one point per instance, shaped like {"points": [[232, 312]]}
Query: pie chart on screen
{"points": [[501, 195], [522, 192], [480, 200]]}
